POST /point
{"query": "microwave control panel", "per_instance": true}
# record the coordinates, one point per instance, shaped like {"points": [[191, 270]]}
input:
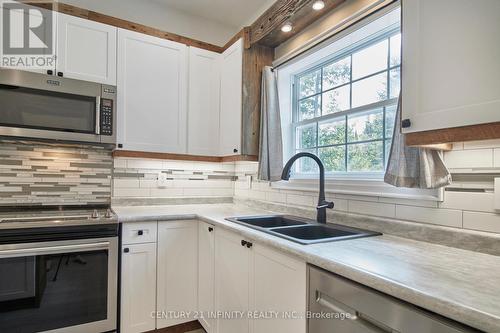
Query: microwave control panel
{"points": [[106, 117]]}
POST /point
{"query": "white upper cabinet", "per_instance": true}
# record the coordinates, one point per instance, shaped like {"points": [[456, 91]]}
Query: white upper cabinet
{"points": [[451, 67], [203, 111], [152, 93], [231, 99], [86, 50]]}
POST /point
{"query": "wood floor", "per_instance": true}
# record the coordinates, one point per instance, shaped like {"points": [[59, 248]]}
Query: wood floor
{"points": [[190, 327]]}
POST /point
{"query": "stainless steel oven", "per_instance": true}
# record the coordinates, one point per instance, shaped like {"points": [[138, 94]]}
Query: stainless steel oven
{"points": [[59, 279], [40, 106]]}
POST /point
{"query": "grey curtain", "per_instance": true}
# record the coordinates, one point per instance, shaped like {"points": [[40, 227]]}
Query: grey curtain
{"points": [[271, 146], [414, 167]]}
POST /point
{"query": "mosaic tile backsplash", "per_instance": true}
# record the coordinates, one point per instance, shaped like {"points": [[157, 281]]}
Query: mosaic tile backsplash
{"points": [[54, 174]]}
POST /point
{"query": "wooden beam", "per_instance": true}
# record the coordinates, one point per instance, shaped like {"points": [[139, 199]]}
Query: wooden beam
{"points": [[457, 134], [183, 157], [266, 30], [243, 33], [120, 23]]}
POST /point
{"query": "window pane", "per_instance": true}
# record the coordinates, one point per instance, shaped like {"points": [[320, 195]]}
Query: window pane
{"points": [[366, 157], [309, 107], [365, 126], [396, 50], [370, 90], [370, 60], [390, 118], [332, 132], [306, 136], [310, 84], [336, 100], [306, 165], [337, 73], [333, 158], [395, 76], [388, 144]]}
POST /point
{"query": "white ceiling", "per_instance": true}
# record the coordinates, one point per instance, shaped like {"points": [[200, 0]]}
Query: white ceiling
{"points": [[235, 13]]}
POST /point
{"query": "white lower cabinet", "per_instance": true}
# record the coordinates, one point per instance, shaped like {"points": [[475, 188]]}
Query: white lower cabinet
{"points": [[138, 288], [206, 275], [267, 287], [177, 284]]}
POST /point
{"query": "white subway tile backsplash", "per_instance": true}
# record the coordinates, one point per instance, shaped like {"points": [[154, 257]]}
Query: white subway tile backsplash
{"points": [[410, 202], [496, 158], [478, 158], [166, 192], [372, 208], [438, 216], [300, 200], [481, 202], [340, 204], [482, 144], [482, 221], [276, 196], [131, 183], [143, 164], [131, 192]]}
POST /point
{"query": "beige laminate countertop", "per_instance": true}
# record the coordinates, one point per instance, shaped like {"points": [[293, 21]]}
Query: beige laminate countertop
{"points": [[458, 284]]}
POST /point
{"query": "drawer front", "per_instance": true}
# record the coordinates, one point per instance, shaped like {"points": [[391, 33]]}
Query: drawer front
{"points": [[139, 232]]}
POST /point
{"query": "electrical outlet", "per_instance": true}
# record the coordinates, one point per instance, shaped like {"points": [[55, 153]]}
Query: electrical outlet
{"points": [[162, 180]]}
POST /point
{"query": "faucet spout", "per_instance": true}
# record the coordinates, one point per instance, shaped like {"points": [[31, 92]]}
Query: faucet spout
{"points": [[322, 203]]}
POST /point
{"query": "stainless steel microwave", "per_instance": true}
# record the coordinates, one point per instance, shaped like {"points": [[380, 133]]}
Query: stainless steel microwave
{"points": [[41, 106]]}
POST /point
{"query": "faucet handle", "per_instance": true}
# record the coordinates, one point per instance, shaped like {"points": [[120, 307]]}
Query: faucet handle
{"points": [[325, 204]]}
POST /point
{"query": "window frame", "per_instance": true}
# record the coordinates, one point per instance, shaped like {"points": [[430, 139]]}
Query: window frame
{"points": [[385, 34]]}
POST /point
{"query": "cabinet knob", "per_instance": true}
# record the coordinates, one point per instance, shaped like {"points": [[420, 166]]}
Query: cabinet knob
{"points": [[50, 72], [140, 232], [60, 74], [249, 244], [406, 123], [235, 150], [120, 145], [244, 242], [210, 229], [126, 250]]}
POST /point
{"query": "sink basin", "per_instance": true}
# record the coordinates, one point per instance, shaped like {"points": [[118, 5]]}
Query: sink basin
{"points": [[271, 221], [300, 230]]}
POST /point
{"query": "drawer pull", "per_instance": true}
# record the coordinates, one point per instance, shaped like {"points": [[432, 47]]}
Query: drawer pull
{"points": [[140, 232], [243, 242], [126, 250], [210, 229]]}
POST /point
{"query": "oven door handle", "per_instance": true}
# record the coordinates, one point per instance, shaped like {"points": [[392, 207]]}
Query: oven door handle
{"points": [[36, 251], [98, 115]]}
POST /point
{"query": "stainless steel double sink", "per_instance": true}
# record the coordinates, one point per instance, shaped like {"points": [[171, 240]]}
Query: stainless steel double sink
{"points": [[301, 230]]}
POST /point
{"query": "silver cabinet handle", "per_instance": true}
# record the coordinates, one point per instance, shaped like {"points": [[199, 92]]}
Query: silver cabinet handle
{"points": [[36, 251], [335, 308]]}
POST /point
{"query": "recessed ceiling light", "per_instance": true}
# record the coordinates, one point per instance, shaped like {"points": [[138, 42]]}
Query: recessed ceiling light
{"points": [[287, 27], [318, 5]]}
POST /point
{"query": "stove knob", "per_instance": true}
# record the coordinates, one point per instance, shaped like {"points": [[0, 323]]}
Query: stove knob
{"points": [[95, 214], [109, 214]]}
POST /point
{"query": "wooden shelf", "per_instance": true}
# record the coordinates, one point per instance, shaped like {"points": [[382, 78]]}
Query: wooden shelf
{"points": [[457, 134], [184, 157]]}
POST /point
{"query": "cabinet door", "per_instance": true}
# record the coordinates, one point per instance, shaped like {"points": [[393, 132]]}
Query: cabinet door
{"points": [[206, 279], [152, 93], [203, 113], [231, 99], [177, 289], [86, 50], [279, 286], [232, 276], [44, 40], [138, 288], [451, 71]]}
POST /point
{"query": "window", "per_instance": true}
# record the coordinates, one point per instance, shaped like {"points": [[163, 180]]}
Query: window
{"points": [[344, 108]]}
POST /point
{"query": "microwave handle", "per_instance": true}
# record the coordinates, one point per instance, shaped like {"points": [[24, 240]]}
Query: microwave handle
{"points": [[98, 115], [35, 251]]}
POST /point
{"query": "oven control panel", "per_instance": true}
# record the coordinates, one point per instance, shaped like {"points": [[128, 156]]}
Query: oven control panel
{"points": [[106, 117]]}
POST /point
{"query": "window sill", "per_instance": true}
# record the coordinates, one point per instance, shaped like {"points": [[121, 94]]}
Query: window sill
{"points": [[360, 187]]}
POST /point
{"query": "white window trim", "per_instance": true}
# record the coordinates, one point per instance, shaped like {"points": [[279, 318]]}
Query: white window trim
{"points": [[369, 184]]}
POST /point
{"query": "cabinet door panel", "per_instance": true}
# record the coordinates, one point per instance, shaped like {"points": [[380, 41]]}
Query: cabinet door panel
{"points": [[231, 99], [152, 93], [203, 113], [232, 281], [177, 270], [138, 288], [86, 50], [206, 278], [279, 285], [451, 71]]}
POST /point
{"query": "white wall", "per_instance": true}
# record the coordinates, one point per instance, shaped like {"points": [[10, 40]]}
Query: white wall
{"points": [[161, 17]]}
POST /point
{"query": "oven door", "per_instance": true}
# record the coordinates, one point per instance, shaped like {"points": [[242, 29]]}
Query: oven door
{"points": [[47, 107], [63, 286]]}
